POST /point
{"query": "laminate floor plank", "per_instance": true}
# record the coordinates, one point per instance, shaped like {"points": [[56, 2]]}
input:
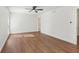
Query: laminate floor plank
{"points": [[37, 43]]}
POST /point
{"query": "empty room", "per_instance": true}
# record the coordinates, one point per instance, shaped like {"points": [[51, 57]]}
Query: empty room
{"points": [[39, 29]]}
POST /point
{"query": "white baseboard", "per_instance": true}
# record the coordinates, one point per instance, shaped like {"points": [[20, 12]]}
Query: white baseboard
{"points": [[59, 38]]}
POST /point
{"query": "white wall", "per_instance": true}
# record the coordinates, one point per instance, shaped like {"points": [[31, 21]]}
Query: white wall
{"points": [[78, 22], [23, 22], [57, 24], [4, 25]]}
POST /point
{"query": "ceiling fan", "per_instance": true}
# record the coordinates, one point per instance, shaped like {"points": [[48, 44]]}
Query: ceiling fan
{"points": [[34, 8]]}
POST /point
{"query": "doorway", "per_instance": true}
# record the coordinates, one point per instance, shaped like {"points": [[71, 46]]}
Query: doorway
{"points": [[78, 27]]}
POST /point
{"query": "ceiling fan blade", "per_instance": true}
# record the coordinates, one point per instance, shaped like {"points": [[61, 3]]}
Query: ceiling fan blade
{"points": [[30, 11], [39, 9], [36, 11], [27, 8], [34, 7]]}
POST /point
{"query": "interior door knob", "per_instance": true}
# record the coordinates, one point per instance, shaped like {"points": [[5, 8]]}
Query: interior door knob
{"points": [[70, 22]]}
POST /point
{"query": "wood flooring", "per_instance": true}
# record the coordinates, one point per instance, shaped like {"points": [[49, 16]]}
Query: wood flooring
{"points": [[38, 43]]}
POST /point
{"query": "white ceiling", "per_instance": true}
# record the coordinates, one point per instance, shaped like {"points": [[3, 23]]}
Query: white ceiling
{"points": [[25, 9]]}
